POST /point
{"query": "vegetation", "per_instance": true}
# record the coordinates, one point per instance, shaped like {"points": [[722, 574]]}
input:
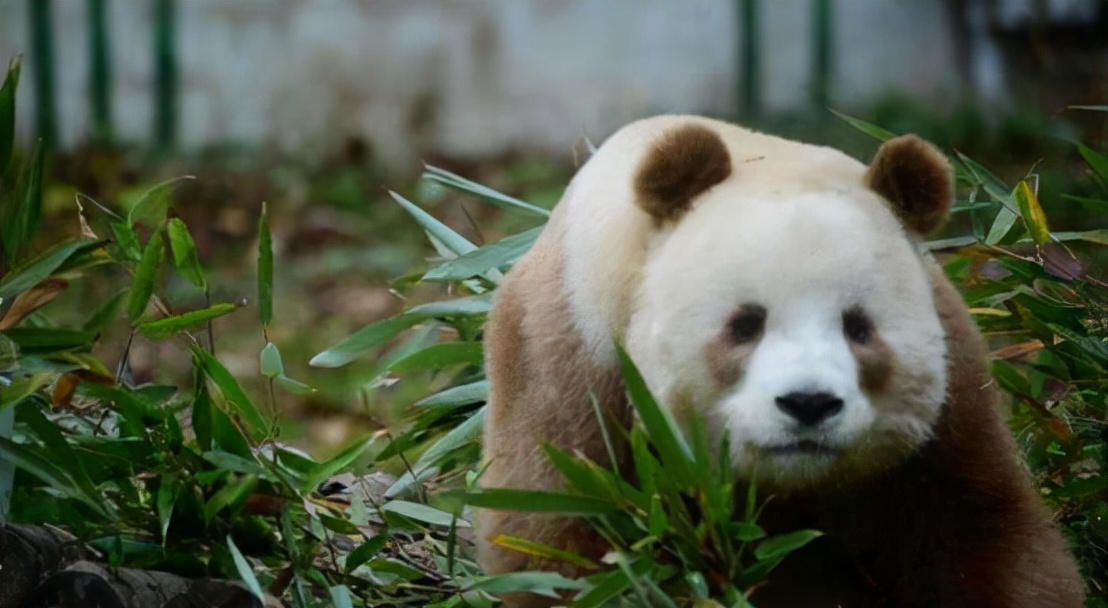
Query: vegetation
{"points": [[193, 480]]}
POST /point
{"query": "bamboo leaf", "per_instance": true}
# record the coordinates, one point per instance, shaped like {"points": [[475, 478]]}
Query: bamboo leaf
{"points": [[20, 219], [127, 241], [170, 326], [257, 424], [527, 547], [872, 130], [533, 501], [185, 258], [337, 463], [271, 364], [7, 113], [454, 242], [153, 206], [364, 340], [365, 552], [33, 271], [462, 184], [1002, 225], [490, 257], [265, 269], [1032, 213], [146, 273], [665, 434], [230, 495], [784, 544], [422, 513], [457, 396], [246, 573], [539, 583], [438, 356]]}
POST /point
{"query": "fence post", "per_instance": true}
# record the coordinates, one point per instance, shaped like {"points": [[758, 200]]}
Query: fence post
{"points": [[100, 70], [750, 69], [822, 54], [42, 62], [165, 70]]}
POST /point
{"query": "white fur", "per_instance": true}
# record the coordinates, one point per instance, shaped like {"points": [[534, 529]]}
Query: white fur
{"points": [[793, 229]]}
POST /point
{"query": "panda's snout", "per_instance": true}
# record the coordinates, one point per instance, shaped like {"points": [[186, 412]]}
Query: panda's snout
{"points": [[810, 409]]}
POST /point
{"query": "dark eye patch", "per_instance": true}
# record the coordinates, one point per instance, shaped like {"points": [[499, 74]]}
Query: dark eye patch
{"points": [[747, 323], [857, 326]]}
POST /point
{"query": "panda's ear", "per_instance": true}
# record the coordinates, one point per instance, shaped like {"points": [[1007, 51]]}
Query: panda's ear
{"points": [[680, 164], [916, 178]]}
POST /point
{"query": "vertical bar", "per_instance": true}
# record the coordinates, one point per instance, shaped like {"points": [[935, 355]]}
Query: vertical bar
{"points": [[42, 62], [750, 73], [822, 54], [101, 72], [165, 78], [7, 467]]}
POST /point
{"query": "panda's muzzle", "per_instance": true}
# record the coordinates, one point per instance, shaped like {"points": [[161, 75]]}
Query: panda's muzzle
{"points": [[810, 409]]}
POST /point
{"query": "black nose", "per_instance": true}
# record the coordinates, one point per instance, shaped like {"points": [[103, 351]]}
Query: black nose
{"points": [[810, 408]]}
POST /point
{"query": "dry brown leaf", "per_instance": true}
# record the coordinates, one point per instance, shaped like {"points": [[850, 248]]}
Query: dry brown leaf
{"points": [[31, 300]]}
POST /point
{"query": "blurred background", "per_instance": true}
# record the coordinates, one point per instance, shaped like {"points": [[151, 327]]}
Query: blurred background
{"points": [[318, 108]]}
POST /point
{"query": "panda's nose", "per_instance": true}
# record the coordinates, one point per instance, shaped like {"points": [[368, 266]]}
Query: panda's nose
{"points": [[810, 409]]}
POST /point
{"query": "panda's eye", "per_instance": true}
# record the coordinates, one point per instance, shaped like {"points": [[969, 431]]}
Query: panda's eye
{"points": [[747, 324], [857, 326]]}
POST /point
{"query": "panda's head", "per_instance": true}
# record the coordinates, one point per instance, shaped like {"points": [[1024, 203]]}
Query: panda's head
{"points": [[786, 299]]}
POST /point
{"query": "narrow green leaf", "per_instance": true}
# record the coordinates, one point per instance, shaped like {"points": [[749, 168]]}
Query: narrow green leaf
{"points": [[364, 340], [784, 544], [20, 389], [230, 495], [170, 326], [337, 463], [666, 435], [32, 272], [872, 130], [539, 583], [456, 396], [246, 573], [45, 340], [365, 552], [490, 257], [1092, 108], [271, 363], [340, 596], [1002, 225], [166, 501], [470, 306], [421, 513], [527, 547], [462, 184], [265, 269], [533, 501], [127, 241], [153, 205], [438, 356], [49, 473], [7, 113], [1100, 237], [104, 314], [20, 219], [146, 273], [454, 242], [294, 387], [1032, 213], [185, 258], [993, 185], [257, 424], [1096, 161], [201, 412]]}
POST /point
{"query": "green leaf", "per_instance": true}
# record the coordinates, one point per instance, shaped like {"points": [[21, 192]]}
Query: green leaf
{"points": [[265, 269], [201, 412], [340, 596], [230, 495], [1032, 213], [271, 363], [470, 306], [146, 273], [127, 241], [784, 544], [1099, 237], [20, 389], [185, 258], [457, 396], [421, 513], [438, 356], [1002, 225], [246, 573], [104, 314], [337, 463], [454, 242], [33, 271], [7, 113], [1096, 161], [20, 219], [153, 205], [490, 257], [257, 424], [170, 326], [364, 340], [666, 435], [462, 184], [365, 551], [166, 500], [539, 583], [45, 340], [547, 552], [50, 474], [294, 387], [869, 129], [533, 501], [992, 184]]}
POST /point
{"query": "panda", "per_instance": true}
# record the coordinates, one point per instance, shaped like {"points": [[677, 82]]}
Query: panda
{"points": [[782, 292]]}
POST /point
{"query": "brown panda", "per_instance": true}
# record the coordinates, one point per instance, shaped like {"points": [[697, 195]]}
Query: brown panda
{"points": [[780, 290]]}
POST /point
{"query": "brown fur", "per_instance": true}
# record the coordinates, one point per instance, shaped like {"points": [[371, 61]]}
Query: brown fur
{"points": [[916, 178], [957, 525], [681, 164], [876, 365]]}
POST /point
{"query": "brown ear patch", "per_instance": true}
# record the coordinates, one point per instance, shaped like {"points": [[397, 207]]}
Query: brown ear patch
{"points": [[681, 164], [916, 178]]}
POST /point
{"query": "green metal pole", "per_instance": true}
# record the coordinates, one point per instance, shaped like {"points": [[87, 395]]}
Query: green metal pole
{"points": [[822, 53], [750, 74], [165, 68], [42, 61], [101, 72]]}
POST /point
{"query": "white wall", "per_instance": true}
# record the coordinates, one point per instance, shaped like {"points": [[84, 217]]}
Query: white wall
{"points": [[468, 77]]}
